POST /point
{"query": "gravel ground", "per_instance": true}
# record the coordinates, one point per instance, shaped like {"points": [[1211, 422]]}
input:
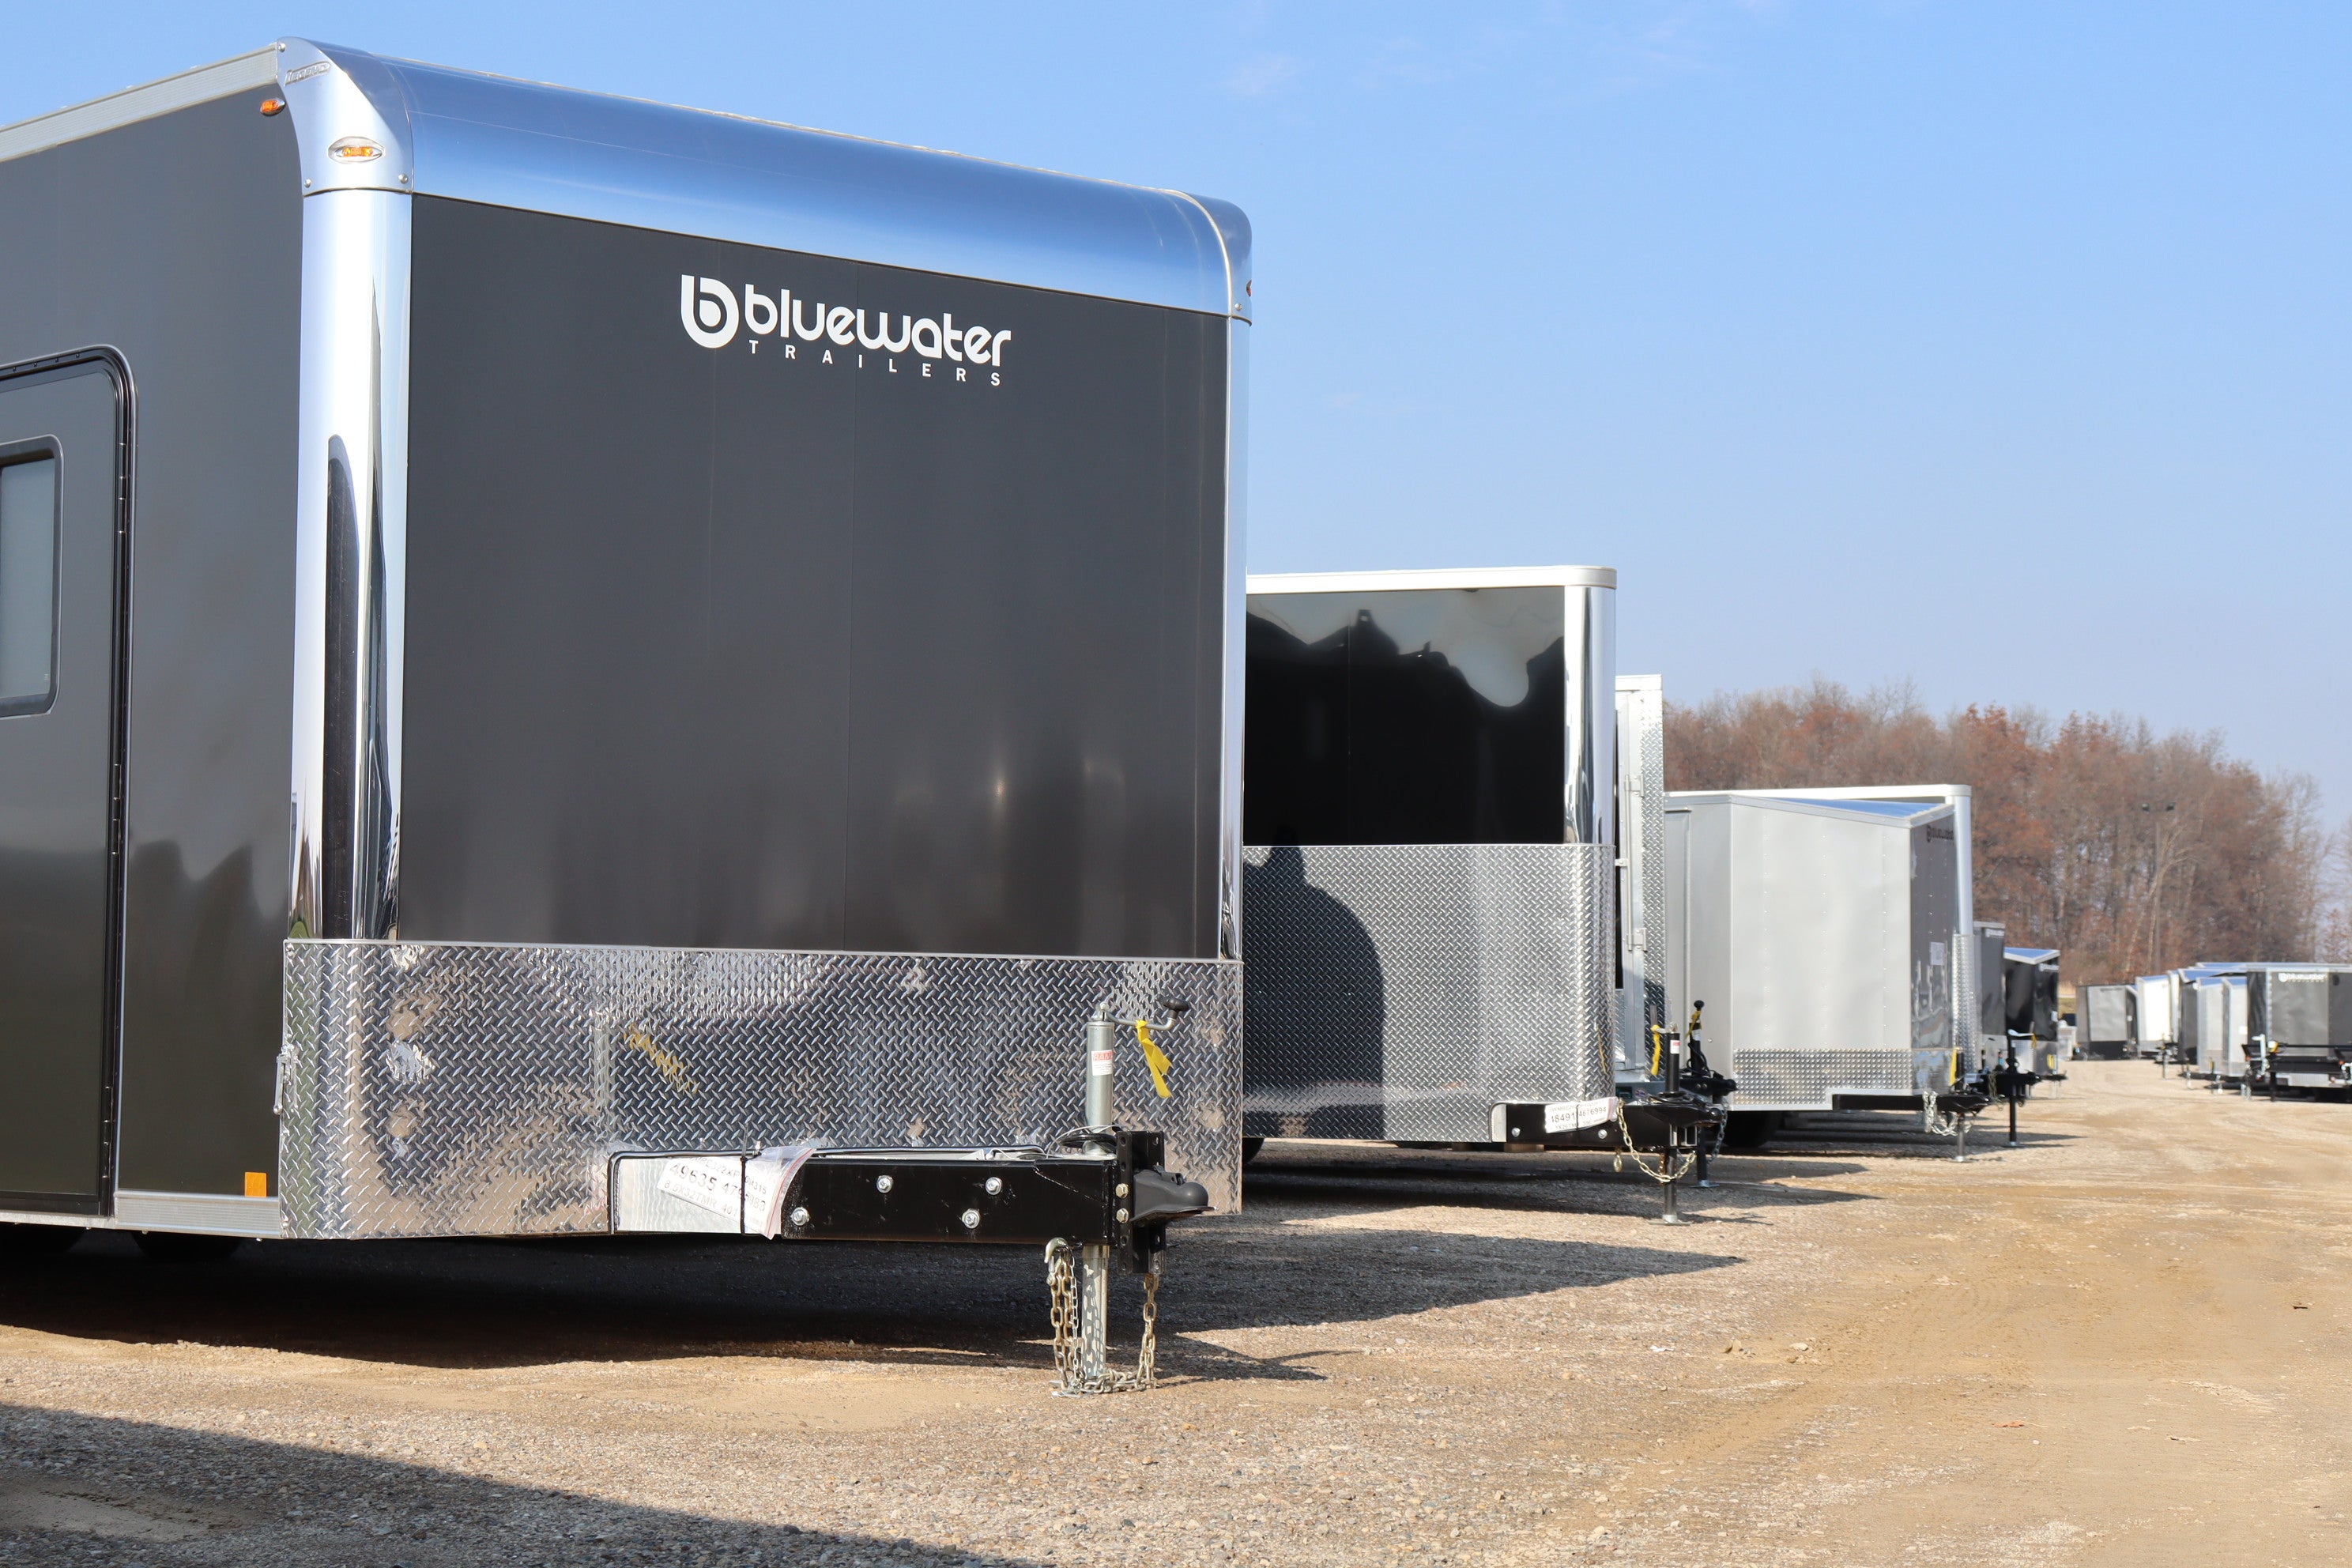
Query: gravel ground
{"points": [[2125, 1342]]}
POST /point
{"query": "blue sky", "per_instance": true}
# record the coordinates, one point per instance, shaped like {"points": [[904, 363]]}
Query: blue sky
{"points": [[2004, 348]]}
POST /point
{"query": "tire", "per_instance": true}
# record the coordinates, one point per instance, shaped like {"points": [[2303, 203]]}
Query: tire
{"points": [[27, 1241], [178, 1247], [1750, 1129], [1250, 1146]]}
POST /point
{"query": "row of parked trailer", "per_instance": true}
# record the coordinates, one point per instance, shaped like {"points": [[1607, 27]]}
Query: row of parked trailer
{"points": [[2267, 1026], [572, 665]]}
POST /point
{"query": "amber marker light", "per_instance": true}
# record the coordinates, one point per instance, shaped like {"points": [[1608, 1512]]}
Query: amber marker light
{"points": [[273, 106]]}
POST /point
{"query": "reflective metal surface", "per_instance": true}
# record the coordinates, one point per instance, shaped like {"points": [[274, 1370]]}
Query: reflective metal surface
{"points": [[1235, 684], [1430, 715], [617, 160], [351, 559], [1403, 991], [463, 1089], [1642, 849]]}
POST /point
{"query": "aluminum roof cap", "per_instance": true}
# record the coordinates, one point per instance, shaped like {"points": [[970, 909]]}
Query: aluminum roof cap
{"points": [[437, 132]]}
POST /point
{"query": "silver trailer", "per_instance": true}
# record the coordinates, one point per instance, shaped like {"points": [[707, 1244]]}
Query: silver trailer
{"points": [[2107, 1024], [1820, 932], [685, 672], [1431, 875], [2213, 1025], [1962, 943]]}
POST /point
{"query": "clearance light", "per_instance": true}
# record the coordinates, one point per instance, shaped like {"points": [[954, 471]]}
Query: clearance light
{"points": [[354, 150]]}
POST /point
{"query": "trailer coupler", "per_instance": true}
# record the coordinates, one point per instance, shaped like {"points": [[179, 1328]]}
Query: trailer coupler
{"points": [[1096, 1199]]}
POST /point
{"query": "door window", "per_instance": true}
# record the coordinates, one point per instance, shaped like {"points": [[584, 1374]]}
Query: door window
{"points": [[28, 584]]}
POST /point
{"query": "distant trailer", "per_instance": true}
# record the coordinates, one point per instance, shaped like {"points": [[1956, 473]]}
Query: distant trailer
{"points": [[1820, 932], [2299, 1024], [2156, 1016], [2213, 1025], [2105, 1022], [1431, 875], [684, 673], [2030, 1008]]}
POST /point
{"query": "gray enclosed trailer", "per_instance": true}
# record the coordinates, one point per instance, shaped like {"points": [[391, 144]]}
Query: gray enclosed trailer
{"points": [[1820, 934], [2299, 1024], [553, 644], [2106, 1026], [1432, 866]]}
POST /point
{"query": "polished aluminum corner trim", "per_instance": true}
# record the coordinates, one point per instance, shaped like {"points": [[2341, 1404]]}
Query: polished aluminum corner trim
{"points": [[350, 122], [1641, 853], [1234, 229], [350, 561], [239, 73], [1591, 738], [717, 176], [1236, 641]]}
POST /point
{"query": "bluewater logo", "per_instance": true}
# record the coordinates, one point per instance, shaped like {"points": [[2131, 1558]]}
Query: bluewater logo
{"points": [[714, 314]]}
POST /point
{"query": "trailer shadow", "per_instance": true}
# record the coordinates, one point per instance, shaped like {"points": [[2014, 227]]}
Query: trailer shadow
{"points": [[478, 1306], [82, 1487]]}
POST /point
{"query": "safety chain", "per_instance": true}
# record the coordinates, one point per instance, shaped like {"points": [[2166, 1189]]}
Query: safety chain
{"points": [[1062, 1283], [1664, 1175]]}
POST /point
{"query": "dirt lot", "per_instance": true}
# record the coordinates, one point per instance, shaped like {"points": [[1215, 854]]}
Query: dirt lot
{"points": [[2125, 1342]]}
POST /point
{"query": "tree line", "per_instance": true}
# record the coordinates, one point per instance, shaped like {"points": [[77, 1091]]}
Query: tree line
{"points": [[2129, 851]]}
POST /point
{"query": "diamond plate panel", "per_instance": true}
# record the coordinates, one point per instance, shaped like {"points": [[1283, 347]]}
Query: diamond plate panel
{"points": [[1805, 1081], [1403, 991], [453, 1089]]}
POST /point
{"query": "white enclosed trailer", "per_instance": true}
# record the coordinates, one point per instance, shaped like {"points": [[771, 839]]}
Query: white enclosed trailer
{"points": [[2156, 1028], [1820, 934]]}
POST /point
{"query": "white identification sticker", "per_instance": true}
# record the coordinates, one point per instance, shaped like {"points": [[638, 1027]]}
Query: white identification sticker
{"points": [[1575, 1115], [1935, 956], [1103, 1061], [708, 1181]]}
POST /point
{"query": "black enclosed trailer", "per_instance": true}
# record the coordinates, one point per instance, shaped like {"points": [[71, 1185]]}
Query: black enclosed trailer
{"points": [[2030, 1008], [546, 635]]}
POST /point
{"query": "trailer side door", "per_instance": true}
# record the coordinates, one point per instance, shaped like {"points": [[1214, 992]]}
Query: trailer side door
{"points": [[62, 469]]}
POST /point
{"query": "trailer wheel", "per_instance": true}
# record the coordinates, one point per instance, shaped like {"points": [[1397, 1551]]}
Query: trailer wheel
{"points": [[1250, 1146], [1750, 1129], [37, 1240], [178, 1247]]}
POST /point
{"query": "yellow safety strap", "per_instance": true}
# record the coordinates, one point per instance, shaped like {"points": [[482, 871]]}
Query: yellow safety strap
{"points": [[1153, 1057]]}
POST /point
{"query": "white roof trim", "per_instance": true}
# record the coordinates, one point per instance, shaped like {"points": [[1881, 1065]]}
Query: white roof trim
{"points": [[1463, 577]]}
